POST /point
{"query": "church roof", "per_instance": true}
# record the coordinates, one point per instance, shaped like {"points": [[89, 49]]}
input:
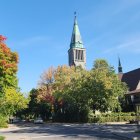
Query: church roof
{"points": [[76, 41], [132, 79]]}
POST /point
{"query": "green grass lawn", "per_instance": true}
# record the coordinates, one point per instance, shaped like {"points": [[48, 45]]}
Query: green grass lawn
{"points": [[2, 138]]}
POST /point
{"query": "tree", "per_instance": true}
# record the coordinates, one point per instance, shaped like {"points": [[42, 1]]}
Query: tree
{"points": [[8, 67], [69, 93], [11, 100], [55, 88], [45, 89], [39, 105], [71, 97], [105, 87], [45, 93]]}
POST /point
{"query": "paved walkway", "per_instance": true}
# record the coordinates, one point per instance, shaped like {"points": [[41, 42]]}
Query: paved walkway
{"points": [[13, 127], [17, 138]]}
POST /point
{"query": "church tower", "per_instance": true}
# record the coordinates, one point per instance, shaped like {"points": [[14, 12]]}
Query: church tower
{"points": [[77, 52]]}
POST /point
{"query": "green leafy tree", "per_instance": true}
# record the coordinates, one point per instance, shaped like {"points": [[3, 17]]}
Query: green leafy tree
{"points": [[33, 107], [105, 87], [12, 102], [71, 97]]}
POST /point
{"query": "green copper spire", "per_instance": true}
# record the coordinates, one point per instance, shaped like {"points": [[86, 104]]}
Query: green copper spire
{"points": [[77, 53], [76, 41]]}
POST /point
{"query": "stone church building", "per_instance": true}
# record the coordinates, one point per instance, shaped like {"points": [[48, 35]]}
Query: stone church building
{"points": [[77, 57], [132, 79]]}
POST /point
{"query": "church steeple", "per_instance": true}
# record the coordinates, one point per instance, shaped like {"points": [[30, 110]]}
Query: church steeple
{"points": [[119, 66], [76, 40], [77, 52]]}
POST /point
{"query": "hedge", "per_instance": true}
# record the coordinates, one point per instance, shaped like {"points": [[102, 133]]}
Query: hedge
{"points": [[112, 117]]}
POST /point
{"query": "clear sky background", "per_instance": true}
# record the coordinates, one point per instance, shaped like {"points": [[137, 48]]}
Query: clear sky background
{"points": [[40, 31]]}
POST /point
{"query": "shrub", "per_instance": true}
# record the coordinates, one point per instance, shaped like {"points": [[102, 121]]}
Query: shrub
{"points": [[3, 121], [116, 119], [112, 117]]}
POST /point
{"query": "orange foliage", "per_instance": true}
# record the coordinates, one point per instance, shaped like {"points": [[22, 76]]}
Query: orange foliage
{"points": [[2, 38], [8, 59], [44, 94]]}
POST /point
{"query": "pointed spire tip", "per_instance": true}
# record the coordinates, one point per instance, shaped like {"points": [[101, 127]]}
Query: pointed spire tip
{"points": [[119, 65], [75, 13]]}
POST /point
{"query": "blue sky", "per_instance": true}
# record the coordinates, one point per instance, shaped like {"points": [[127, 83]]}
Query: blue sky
{"points": [[40, 31]]}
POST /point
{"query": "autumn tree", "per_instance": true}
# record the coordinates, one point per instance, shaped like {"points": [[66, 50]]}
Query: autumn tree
{"points": [[53, 81], [11, 100], [45, 89], [72, 92], [46, 83], [69, 96], [8, 66], [53, 84]]}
